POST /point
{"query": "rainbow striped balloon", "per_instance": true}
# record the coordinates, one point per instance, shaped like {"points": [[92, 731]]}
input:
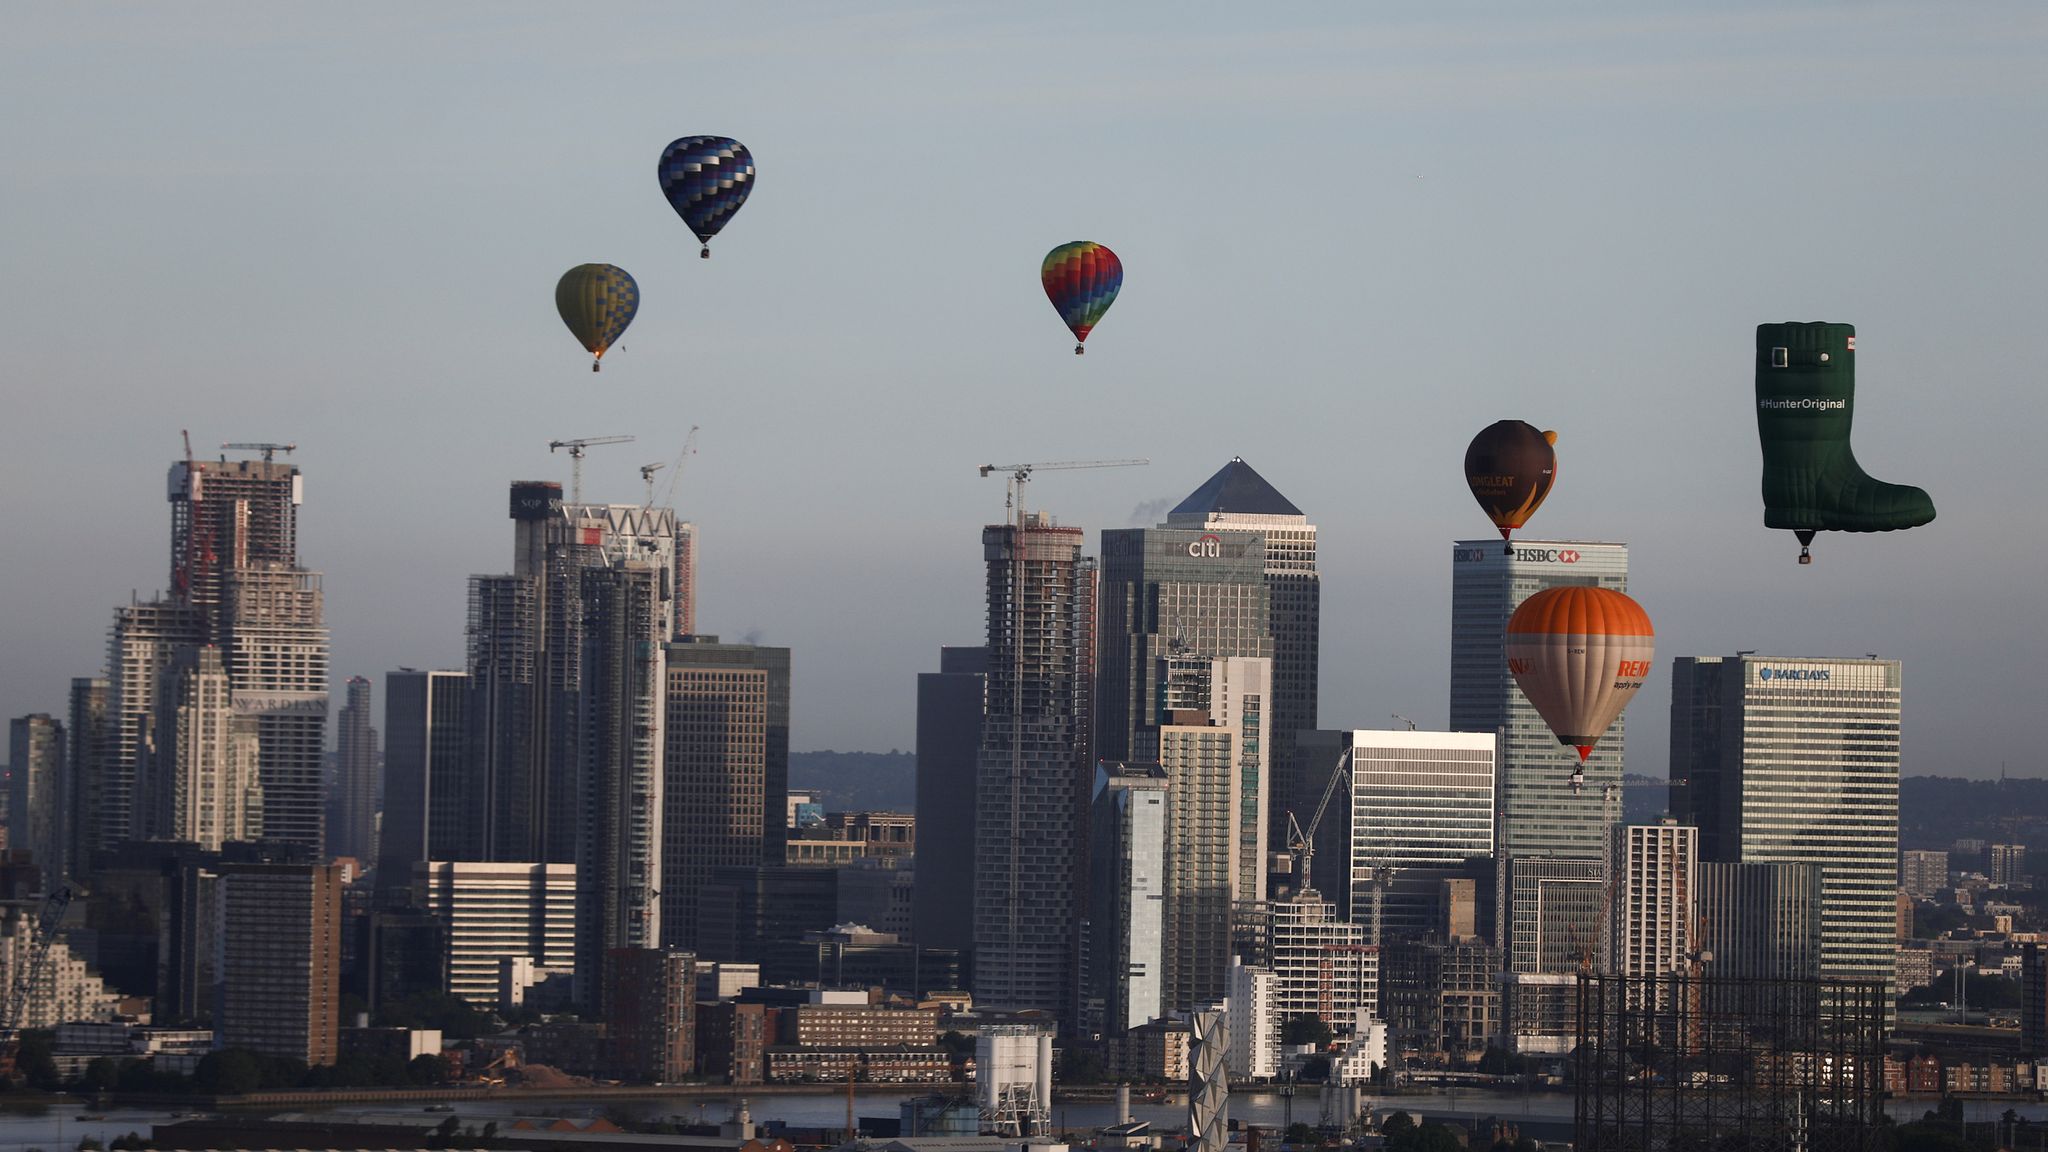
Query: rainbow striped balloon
{"points": [[1081, 279]]}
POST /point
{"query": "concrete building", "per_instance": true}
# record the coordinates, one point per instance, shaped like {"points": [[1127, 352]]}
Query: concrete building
{"points": [[1232, 694], [85, 759], [1322, 965], [727, 739], [280, 960], [620, 724], [1238, 501], [203, 778], [1760, 920], [1203, 769], [1254, 1010], [1922, 873], [1035, 748], [1127, 878], [1442, 1000], [498, 911], [1655, 905], [276, 651], [2034, 1000], [1554, 908], [949, 705], [353, 825], [434, 790], [1792, 760], [1419, 810], [35, 790], [2008, 865], [65, 990], [145, 638], [504, 714], [650, 1015]]}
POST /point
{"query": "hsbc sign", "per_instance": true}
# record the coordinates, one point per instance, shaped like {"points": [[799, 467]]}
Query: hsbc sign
{"points": [[1547, 555]]}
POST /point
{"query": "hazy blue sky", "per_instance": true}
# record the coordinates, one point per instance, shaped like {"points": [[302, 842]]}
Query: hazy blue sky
{"points": [[1353, 235]]}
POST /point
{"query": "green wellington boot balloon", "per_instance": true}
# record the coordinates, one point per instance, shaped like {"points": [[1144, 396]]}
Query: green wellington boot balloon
{"points": [[1805, 400]]}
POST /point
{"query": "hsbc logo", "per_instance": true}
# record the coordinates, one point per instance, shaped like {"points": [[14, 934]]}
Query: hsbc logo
{"points": [[1467, 555], [1209, 545], [1547, 555]]}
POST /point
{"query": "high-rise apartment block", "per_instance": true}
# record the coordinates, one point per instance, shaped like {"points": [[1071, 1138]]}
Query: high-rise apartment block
{"points": [[280, 960], [1204, 699], [496, 913], [85, 759], [650, 1014], [1652, 919], [1418, 810], [2034, 1000], [1322, 965], [1238, 502], [1792, 760], [204, 771], [35, 797], [1541, 812], [1254, 1022], [1035, 749], [353, 821], [949, 704], [1553, 909], [2008, 865], [276, 651], [1128, 870], [145, 639], [1922, 873], [725, 768]]}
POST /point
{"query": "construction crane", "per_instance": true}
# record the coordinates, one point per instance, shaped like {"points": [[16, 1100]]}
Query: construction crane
{"points": [[674, 470], [1302, 844], [1018, 474], [576, 448], [43, 932], [268, 449]]}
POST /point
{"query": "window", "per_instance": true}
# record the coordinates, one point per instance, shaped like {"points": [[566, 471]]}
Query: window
{"points": [[1781, 357]]}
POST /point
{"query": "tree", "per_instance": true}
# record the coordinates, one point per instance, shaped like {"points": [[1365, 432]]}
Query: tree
{"points": [[228, 1072], [1307, 1029], [1300, 1133], [1081, 1066]]}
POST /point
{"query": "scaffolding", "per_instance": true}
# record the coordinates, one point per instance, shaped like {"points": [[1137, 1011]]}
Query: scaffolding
{"points": [[1679, 1062]]}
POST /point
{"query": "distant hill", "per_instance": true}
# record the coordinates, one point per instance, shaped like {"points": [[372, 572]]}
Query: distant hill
{"points": [[857, 781], [1936, 811]]}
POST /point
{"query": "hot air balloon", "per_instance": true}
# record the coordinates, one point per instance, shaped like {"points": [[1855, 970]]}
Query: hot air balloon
{"points": [[1081, 279], [1805, 400], [1510, 467], [706, 179], [1578, 654], [597, 301]]}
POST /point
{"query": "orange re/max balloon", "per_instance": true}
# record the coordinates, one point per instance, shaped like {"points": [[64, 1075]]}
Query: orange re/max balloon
{"points": [[1578, 654]]}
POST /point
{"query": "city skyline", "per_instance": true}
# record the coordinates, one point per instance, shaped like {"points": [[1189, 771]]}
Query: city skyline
{"points": [[1575, 205]]}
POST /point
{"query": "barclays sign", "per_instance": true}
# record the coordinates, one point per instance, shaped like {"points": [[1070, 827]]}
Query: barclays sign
{"points": [[1794, 673]]}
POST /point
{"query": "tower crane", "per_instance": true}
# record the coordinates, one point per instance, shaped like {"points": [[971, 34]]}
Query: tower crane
{"points": [[268, 449], [675, 470], [1302, 844], [576, 448], [1018, 474], [38, 950]]}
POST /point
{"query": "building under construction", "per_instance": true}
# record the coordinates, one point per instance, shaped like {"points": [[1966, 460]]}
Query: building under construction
{"points": [[1677, 1061]]}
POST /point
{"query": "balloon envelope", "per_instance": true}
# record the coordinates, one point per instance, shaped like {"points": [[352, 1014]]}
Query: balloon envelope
{"points": [[1510, 467], [597, 301], [706, 179], [1579, 654], [1081, 279]]}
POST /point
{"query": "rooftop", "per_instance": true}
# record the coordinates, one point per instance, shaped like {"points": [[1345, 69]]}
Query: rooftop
{"points": [[1236, 488]]}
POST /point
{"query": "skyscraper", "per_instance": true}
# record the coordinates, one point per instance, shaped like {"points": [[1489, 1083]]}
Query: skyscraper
{"points": [[1541, 814], [280, 960], [949, 704], [619, 720], [1128, 881], [1034, 753], [85, 758], [1203, 783], [1238, 500], [1760, 920], [434, 790], [727, 734], [1419, 809], [204, 767], [1655, 909], [35, 799], [1232, 694], [355, 787], [1792, 760], [275, 648], [145, 638]]}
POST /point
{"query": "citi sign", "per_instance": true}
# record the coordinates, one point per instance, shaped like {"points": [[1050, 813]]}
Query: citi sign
{"points": [[1794, 673], [1548, 555], [1208, 545]]}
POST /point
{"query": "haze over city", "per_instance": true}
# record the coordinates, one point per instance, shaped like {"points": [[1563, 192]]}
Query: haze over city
{"points": [[1352, 238]]}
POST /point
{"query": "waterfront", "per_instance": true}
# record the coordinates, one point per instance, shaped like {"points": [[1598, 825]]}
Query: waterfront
{"points": [[56, 1125]]}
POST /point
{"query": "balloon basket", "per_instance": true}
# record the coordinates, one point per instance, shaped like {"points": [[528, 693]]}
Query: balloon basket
{"points": [[594, 365], [1079, 350], [704, 253]]}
